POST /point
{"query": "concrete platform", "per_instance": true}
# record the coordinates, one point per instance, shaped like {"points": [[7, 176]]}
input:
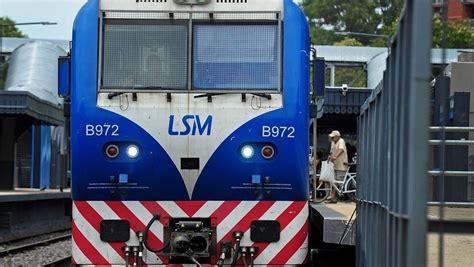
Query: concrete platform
{"points": [[452, 213], [29, 212], [29, 194], [458, 247], [332, 222]]}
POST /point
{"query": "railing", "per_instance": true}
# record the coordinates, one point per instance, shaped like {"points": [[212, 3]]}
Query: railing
{"points": [[442, 173], [392, 174]]}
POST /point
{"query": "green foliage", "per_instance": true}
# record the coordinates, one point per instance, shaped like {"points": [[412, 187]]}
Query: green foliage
{"points": [[8, 28], [321, 36], [352, 76], [376, 17], [367, 16], [348, 42], [378, 42], [460, 33]]}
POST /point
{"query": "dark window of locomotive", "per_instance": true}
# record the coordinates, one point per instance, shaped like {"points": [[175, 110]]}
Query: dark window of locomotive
{"points": [[144, 54], [235, 56]]}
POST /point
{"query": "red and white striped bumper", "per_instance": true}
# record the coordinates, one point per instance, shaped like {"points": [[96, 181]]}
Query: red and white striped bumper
{"points": [[228, 216]]}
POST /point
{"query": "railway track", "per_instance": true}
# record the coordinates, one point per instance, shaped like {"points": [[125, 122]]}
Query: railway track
{"points": [[65, 261], [15, 249], [51, 251]]}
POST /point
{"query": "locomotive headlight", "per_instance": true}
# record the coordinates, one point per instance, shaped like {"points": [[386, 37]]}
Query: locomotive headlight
{"points": [[247, 151], [132, 151]]}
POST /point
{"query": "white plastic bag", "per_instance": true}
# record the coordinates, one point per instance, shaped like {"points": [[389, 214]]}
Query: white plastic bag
{"points": [[327, 172]]}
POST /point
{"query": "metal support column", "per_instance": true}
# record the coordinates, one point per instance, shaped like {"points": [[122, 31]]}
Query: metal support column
{"points": [[7, 153]]}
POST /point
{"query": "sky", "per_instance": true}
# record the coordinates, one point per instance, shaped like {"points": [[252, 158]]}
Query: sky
{"points": [[62, 12]]}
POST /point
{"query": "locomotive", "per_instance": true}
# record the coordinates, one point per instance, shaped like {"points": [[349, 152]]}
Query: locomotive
{"points": [[189, 132]]}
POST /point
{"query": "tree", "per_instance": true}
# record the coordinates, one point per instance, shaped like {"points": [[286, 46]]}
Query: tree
{"points": [[367, 16], [8, 28], [460, 33], [348, 42]]}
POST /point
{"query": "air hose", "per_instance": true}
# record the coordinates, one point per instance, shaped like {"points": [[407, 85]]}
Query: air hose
{"points": [[238, 236], [243, 251], [252, 251], [156, 217], [236, 254]]}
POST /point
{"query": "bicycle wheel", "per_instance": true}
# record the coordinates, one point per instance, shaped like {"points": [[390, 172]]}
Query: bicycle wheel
{"points": [[322, 192], [351, 187]]}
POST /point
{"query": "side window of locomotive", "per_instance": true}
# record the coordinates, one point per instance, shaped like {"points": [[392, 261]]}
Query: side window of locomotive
{"points": [[153, 54], [235, 56]]}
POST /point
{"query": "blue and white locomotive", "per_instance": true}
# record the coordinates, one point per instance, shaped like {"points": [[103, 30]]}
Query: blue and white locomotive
{"points": [[189, 132]]}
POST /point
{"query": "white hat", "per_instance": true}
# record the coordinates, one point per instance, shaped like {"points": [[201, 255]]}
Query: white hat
{"points": [[334, 133]]}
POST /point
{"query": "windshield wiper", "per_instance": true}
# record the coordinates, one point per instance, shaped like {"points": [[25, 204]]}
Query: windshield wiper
{"points": [[210, 95], [112, 95], [264, 95]]}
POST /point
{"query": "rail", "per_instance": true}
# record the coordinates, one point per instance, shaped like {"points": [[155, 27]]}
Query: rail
{"points": [[451, 129], [461, 142], [451, 142], [34, 244], [450, 173], [451, 204]]}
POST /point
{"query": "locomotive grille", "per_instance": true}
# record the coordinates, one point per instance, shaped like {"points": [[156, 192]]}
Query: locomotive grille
{"points": [[229, 51], [235, 56], [125, 65]]}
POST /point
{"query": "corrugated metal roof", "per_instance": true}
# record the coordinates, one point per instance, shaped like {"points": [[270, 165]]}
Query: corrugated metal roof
{"points": [[451, 55], [8, 44], [348, 53], [375, 58], [34, 68], [366, 54], [22, 103]]}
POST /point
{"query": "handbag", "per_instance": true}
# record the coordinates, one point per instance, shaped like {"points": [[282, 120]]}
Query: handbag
{"points": [[327, 172]]}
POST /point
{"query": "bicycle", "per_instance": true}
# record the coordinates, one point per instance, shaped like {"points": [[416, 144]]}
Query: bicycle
{"points": [[345, 187]]}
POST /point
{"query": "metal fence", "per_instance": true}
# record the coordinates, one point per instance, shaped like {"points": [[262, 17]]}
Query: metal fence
{"points": [[393, 150]]}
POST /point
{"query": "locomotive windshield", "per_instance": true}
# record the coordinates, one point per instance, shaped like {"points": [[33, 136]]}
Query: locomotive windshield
{"points": [[225, 55], [235, 57], [144, 54]]}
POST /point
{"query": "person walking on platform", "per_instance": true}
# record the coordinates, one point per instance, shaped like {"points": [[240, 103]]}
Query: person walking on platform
{"points": [[338, 155]]}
